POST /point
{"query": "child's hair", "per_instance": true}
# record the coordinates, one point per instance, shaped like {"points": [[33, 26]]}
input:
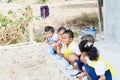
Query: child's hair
{"points": [[61, 28], [86, 46], [49, 28], [46, 29], [88, 37], [70, 33]]}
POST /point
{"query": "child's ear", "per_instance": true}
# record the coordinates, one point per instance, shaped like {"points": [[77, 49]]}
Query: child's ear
{"points": [[71, 39]]}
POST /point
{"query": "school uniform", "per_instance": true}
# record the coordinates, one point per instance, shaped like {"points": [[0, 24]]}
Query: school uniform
{"points": [[52, 39], [96, 68], [73, 48]]}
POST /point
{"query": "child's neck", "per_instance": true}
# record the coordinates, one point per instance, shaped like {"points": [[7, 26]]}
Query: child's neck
{"points": [[69, 44]]}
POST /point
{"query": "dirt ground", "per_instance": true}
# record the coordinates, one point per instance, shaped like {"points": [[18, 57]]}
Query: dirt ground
{"points": [[30, 62]]}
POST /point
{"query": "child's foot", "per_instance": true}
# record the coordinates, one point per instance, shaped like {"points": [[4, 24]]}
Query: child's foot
{"points": [[70, 67], [75, 73], [80, 76]]}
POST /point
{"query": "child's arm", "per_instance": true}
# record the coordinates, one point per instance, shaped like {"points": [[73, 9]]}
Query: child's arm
{"points": [[82, 58], [76, 50], [102, 77], [83, 74]]}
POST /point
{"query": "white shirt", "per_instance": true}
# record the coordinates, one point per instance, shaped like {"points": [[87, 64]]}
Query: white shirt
{"points": [[100, 66], [75, 49], [53, 38]]}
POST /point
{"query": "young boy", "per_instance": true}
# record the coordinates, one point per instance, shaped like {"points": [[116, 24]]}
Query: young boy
{"points": [[69, 47], [88, 37], [78, 63], [51, 38], [45, 32], [59, 42], [70, 50]]}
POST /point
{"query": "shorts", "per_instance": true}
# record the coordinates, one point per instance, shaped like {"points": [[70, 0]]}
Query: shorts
{"points": [[80, 64], [51, 50]]}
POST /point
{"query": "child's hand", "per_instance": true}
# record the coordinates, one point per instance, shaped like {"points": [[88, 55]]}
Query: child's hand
{"points": [[82, 58], [81, 75]]}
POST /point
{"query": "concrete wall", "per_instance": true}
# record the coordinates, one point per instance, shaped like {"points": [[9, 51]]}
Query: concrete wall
{"points": [[112, 20]]}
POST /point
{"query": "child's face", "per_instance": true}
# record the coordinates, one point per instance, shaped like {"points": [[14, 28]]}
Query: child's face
{"points": [[49, 34], [60, 34], [66, 39], [84, 54]]}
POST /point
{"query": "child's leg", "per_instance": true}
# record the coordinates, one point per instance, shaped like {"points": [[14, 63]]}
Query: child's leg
{"points": [[79, 64], [91, 72], [83, 74], [54, 45], [58, 49], [73, 58], [66, 58], [52, 50]]}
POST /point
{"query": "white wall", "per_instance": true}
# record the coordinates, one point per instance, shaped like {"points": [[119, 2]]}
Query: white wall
{"points": [[112, 20]]}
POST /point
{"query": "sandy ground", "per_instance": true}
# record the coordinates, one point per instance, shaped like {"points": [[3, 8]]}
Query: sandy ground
{"points": [[31, 62], [27, 62]]}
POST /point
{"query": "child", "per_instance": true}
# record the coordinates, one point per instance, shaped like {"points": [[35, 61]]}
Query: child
{"points": [[59, 43], [79, 63], [69, 47], [70, 50], [88, 37], [51, 38], [96, 67], [45, 32]]}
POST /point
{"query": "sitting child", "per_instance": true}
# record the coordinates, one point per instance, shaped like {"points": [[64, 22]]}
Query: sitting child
{"points": [[69, 47], [70, 50], [59, 42], [90, 38], [95, 66], [45, 32], [51, 38], [79, 63]]}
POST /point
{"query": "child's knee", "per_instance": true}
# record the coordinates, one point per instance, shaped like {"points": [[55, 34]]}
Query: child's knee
{"points": [[73, 58], [75, 65]]}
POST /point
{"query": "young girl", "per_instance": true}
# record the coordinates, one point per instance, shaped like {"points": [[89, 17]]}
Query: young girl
{"points": [[96, 67]]}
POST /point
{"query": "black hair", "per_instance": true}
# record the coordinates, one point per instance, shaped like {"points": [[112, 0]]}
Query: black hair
{"points": [[88, 37], [46, 29], [71, 34], [86, 46], [61, 28], [49, 28]]}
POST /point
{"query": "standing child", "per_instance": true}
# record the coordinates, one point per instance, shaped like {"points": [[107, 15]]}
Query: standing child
{"points": [[95, 66]]}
